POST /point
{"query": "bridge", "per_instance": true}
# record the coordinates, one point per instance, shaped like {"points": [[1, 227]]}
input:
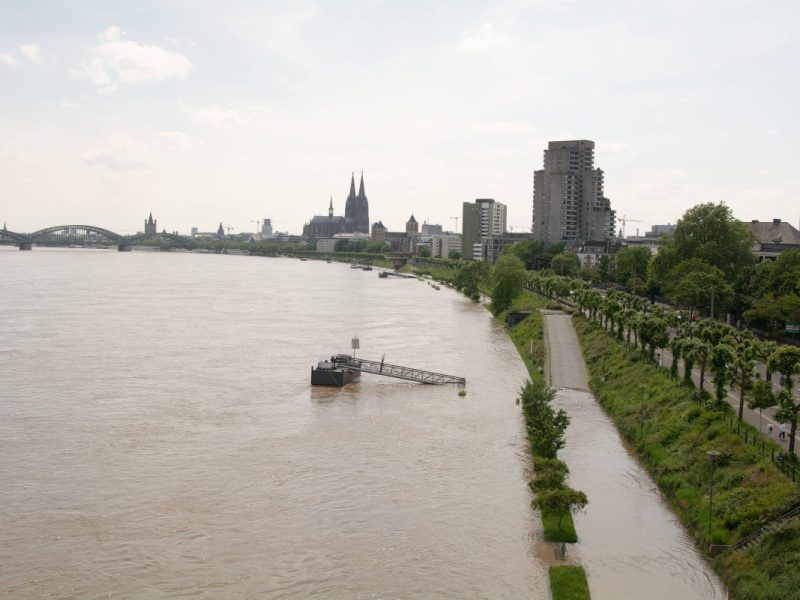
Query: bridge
{"points": [[409, 374], [88, 236]]}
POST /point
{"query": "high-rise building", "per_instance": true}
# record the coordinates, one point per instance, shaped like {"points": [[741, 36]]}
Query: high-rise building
{"points": [[481, 219], [568, 200], [356, 209]]}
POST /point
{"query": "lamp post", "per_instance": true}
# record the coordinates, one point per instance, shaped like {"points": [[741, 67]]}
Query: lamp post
{"points": [[641, 414], [713, 456]]}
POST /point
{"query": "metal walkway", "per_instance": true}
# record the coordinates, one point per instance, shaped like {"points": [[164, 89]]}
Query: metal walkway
{"points": [[407, 373]]}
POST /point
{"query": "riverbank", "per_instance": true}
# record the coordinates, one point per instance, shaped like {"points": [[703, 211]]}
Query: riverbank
{"points": [[673, 435]]}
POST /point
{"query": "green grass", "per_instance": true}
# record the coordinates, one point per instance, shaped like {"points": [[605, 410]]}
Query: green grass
{"points": [[568, 583], [551, 532], [749, 491]]}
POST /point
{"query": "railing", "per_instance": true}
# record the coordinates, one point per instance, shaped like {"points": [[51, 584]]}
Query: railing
{"points": [[783, 460], [397, 371]]}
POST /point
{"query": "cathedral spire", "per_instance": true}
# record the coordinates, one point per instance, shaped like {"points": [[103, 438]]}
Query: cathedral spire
{"points": [[352, 185], [361, 186], [330, 208]]}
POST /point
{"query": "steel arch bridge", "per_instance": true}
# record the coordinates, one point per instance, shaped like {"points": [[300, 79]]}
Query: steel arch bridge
{"points": [[9, 237], [87, 236], [65, 235]]}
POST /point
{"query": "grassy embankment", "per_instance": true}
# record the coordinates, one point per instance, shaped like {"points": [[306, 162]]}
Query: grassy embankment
{"points": [[672, 433]]}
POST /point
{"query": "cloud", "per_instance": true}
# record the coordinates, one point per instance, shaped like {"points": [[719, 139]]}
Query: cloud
{"points": [[117, 60], [124, 153], [280, 31], [9, 59], [31, 52], [483, 38], [217, 116], [621, 148], [173, 139]]}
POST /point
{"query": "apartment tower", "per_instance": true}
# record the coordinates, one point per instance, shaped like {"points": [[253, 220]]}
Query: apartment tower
{"points": [[568, 200]]}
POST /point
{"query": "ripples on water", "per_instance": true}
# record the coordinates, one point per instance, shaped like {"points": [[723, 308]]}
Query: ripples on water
{"points": [[159, 438]]}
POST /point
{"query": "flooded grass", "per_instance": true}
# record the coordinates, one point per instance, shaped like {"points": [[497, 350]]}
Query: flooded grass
{"points": [[568, 583]]}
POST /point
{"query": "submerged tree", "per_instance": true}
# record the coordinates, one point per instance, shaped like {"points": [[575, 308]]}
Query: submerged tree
{"points": [[560, 501]]}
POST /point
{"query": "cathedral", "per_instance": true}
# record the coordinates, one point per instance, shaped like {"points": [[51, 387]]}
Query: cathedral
{"points": [[150, 225], [356, 210], [355, 219]]}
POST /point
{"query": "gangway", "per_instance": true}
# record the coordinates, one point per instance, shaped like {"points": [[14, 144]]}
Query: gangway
{"points": [[379, 367]]}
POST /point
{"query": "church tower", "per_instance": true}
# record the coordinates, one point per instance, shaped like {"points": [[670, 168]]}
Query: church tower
{"points": [[356, 210], [150, 226]]}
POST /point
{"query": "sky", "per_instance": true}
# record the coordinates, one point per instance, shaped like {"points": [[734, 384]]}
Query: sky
{"points": [[229, 112]]}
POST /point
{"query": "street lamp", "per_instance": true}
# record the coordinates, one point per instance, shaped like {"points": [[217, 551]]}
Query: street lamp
{"points": [[713, 457], [641, 413]]}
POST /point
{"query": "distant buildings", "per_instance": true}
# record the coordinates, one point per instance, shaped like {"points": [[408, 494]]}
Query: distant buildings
{"points": [[482, 219], [569, 204]]}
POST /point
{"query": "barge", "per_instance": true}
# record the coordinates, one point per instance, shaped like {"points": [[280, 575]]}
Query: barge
{"points": [[333, 373]]}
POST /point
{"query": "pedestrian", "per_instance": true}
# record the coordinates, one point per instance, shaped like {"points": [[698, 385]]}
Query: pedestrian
{"points": [[769, 429], [782, 431]]}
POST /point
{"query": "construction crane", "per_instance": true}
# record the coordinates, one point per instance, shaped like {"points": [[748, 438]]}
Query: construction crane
{"points": [[257, 222], [625, 220], [228, 227], [456, 218]]}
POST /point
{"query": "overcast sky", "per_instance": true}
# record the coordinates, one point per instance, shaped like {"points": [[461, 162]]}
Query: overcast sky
{"points": [[209, 112]]}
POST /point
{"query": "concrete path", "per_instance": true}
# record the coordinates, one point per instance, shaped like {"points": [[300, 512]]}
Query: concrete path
{"points": [[630, 543]]}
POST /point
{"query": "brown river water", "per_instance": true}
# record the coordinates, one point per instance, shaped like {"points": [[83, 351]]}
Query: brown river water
{"points": [[159, 439]]}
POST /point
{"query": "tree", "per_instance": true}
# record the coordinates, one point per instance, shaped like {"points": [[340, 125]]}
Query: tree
{"points": [[602, 269], [508, 280], [424, 251], [565, 263], [786, 361], [773, 312], [454, 255], [546, 427], [471, 277], [783, 274], [743, 364], [560, 502], [550, 473], [631, 263], [529, 252], [721, 358], [708, 232], [696, 284], [654, 333]]}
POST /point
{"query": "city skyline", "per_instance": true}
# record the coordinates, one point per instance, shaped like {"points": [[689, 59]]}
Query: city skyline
{"points": [[202, 113]]}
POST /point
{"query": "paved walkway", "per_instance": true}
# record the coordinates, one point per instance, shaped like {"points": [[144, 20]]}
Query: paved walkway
{"points": [[630, 543]]}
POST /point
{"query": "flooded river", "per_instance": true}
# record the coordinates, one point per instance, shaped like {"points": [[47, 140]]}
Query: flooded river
{"points": [[159, 437]]}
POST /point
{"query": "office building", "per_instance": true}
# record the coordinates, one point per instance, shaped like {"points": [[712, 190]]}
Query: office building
{"points": [[481, 219]]}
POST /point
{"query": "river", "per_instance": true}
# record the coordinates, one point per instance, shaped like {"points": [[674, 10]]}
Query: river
{"points": [[159, 437]]}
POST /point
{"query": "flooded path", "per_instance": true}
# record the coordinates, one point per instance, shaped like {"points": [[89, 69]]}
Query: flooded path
{"points": [[630, 543]]}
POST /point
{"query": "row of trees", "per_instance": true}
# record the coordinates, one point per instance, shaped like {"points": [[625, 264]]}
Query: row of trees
{"points": [[730, 354], [707, 265], [546, 428]]}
